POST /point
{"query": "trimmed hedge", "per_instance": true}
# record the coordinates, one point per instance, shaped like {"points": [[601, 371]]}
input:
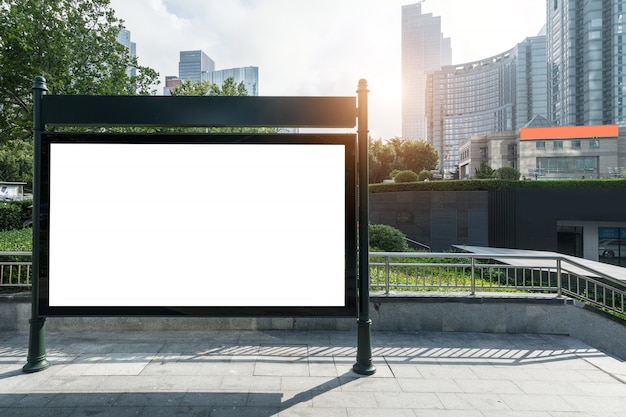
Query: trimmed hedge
{"points": [[13, 214], [493, 184]]}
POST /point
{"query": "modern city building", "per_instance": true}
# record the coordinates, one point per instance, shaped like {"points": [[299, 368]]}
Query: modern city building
{"points": [[543, 152], [424, 49], [586, 41], [248, 75], [194, 65], [497, 94], [123, 37], [171, 82]]}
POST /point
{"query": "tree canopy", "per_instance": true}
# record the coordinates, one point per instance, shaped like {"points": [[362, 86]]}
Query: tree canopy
{"points": [[400, 154], [205, 88], [73, 44]]}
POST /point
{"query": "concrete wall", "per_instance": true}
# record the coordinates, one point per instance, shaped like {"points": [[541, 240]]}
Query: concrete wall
{"points": [[487, 313]]}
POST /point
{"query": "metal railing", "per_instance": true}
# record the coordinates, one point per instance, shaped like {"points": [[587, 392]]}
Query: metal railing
{"points": [[15, 269], [425, 271], [419, 271]]}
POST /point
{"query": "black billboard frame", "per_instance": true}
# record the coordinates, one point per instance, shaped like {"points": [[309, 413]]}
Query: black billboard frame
{"points": [[318, 112]]}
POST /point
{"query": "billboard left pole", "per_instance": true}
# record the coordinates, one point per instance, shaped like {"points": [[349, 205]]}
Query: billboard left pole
{"points": [[36, 360]]}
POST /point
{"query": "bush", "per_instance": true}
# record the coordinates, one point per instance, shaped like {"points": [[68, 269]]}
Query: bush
{"points": [[16, 240], [405, 176], [507, 173], [13, 214], [386, 239], [424, 175]]}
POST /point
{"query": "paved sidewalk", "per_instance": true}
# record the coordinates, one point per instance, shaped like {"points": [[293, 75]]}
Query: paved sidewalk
{"points": [[297, 373]]}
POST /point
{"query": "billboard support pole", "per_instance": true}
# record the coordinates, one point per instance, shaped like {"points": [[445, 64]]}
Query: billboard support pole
{"points": [[363, 365], [36, 360]]}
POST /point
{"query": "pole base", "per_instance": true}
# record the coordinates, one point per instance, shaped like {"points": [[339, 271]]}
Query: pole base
{"points": [[364, 368], [36, 366], [36, 360]]}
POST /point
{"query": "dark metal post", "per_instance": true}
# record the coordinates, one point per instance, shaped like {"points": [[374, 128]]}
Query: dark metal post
{"points": [[363, 365], [37, 340]]}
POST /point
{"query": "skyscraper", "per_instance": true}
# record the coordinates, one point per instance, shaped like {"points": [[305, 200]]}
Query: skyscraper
{"points": [[193, 65], [586, 62], [248, 75], [496, 94], [424, 49], [123, 37]]}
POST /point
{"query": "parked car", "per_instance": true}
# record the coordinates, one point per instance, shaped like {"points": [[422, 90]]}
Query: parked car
{"points": [[610, 248]]}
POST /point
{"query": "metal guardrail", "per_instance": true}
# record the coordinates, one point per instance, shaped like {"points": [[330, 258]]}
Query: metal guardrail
{"points": [[420, 271], [425, 271], [15, 269]]}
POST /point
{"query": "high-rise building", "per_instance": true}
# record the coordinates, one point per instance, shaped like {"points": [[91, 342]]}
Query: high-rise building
{"points": [[123, 37], [424, 49], [497, 94], [587, 66], [194, 65], [248, 75]]}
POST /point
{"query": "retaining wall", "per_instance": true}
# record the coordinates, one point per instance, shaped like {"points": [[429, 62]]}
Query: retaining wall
{"points": [[488, 313]]}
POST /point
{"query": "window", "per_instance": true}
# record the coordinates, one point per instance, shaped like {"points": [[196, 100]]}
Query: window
{"points": [[594, 144], [576, 144], [540, 145], [557, 144]]}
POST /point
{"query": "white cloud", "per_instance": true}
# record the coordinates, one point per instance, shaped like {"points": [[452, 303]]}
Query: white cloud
{"points": [[320, 47]]}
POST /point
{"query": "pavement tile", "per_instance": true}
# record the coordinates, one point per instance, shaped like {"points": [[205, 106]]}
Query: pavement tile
{"points": [[309, 374]]}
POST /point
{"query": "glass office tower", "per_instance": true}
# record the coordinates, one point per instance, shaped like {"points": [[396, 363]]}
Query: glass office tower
{"points": [[586, 63], [424, 49], [497, 94], [193, 65]]}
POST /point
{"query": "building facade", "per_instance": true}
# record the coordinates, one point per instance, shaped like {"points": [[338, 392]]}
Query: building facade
{"points": [[496, 94], [587, 69], [424, 49], [248, 75], [194, 65], [123, 37]]}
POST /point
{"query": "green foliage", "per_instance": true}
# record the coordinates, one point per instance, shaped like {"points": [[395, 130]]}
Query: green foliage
{"points": [[385, 238], [73, 43], [484, 172], [507, 173], [425, 174], [11, 216], [205, 88], [19, 240], [16, 162], [483, 185], [405, 176], [399, 155]]}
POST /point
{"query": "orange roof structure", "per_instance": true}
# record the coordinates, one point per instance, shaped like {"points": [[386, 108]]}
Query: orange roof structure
{"points": [[568, 132]]}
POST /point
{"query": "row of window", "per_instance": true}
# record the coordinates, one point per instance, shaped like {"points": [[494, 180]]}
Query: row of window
{"points": [[573, 144]]}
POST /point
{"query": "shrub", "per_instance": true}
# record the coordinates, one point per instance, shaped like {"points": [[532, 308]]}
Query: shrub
{"points": [[405, 176], [11, 216], [425, 174], [507, 173], [386, 239]]}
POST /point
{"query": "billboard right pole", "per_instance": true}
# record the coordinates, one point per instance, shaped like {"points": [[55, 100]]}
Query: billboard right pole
{"points": [[363, 365]]}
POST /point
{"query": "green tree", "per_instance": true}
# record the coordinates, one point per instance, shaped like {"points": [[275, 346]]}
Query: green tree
{"points": [[190, 88], [16, 162], [484, 171], [73, 43], [507, 173], [381, 159], [418, 155]]}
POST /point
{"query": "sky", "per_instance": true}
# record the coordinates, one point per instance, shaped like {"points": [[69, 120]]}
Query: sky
{"points": [[321, 47]]}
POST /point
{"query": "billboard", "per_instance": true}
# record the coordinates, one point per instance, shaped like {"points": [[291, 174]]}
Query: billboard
{"points": [[203, 225]]}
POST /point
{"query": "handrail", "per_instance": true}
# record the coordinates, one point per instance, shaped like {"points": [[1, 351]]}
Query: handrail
{"points": [[470, 272]]}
